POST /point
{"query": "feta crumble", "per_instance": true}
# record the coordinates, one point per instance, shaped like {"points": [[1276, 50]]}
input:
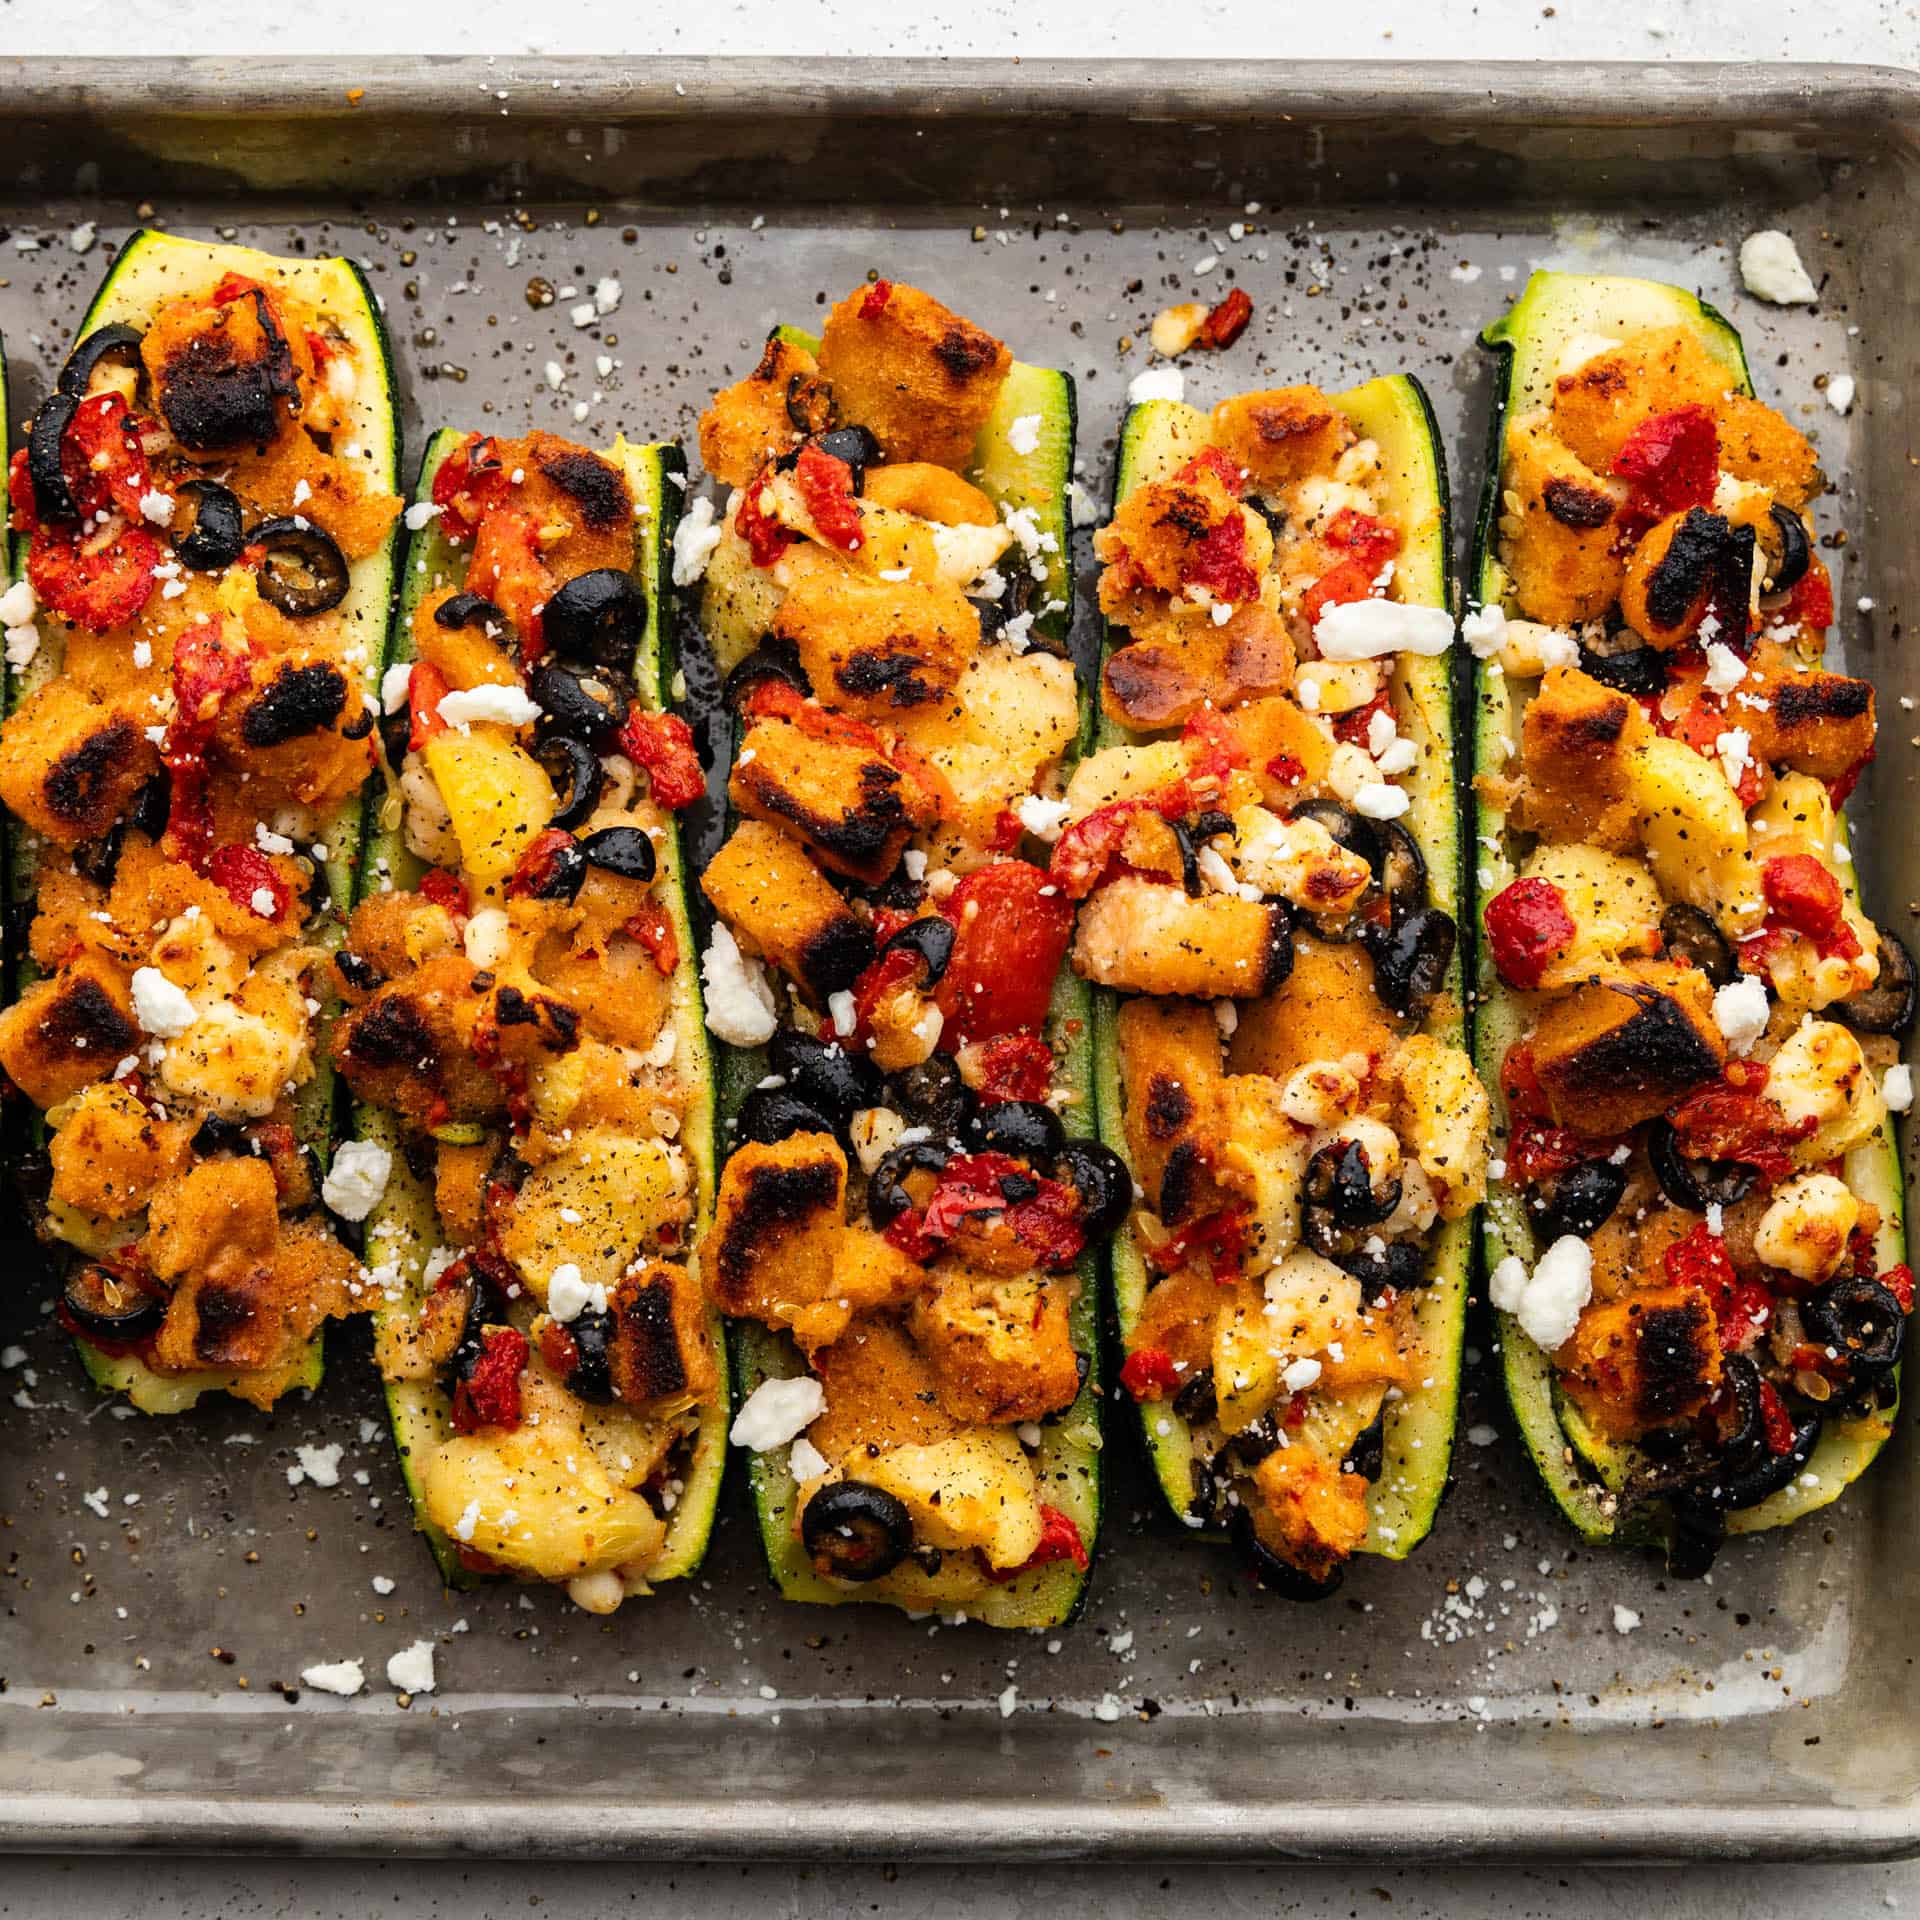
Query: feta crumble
{"points": [[1770, 269], [509, 706], [1157, 383], [1548, 1300], [776, 1411], [694, 540], [1371, 629], [741, 1009], [411, 1669], [357, 1178], [160, 1007], [1740, 1012], [335, 1676]]}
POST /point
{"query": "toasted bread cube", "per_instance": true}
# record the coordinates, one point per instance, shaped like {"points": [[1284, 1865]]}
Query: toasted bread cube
{"points": [[1150, 938], [459, 1187], [1325, 1009], [1309, 1512], [1170, 1071], [70, 764], [999, 1345], [1165, 678], [64, 1033], [110, 1153], [1650, 1360], [931, 493], [1598, 404], [1281, 435], [920, 378], [1577, 742], [1613, 900], [1759, 444], [1626, 1047], [1158, 531], [410, 1047], [1816, 723], [1557, 537], [877, 648], [779, 1221], [749, 423], [767, 889], [1286, 751], [661, 1353], [882, 1393]]}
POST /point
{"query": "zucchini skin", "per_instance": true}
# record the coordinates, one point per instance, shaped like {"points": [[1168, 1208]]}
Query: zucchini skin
{"points": [[404, 1228], [1573, 1469], [1071, 1462], [117, 297], [1420, 1428]]}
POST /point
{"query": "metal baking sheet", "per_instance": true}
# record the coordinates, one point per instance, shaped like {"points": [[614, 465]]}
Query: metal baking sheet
{"points": [[1504, 1692]]}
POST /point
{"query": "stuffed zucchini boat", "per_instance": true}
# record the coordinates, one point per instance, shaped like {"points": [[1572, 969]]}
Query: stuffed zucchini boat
{"points": [[208, 507], [911, 1205], [1696, 1243], [524, 1040], [1266, 852]]}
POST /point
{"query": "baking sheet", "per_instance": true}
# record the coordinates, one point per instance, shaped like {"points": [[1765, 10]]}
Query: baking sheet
{"points": [[1504, 1691]]}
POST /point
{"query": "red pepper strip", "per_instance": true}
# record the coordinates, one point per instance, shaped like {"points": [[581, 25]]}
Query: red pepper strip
{"points": [[447, 890], [1059, 1540], [1740, 1306], [1537, 1149], [1219, 563], [206, 671], [468, 481], [426, 688], [1011, 928], [653, 927], [1148, 1373], [1673, 461], [1775, 1418], [826, 486], [490, 1395], [1730, 1121], [535, 865], [103, 458], [1223, 1236], [1807, 898], [663, 744], [767, 539], [242, 873], [1015, 1066], [1227, 322], [1362, 537], [1527, 926]]}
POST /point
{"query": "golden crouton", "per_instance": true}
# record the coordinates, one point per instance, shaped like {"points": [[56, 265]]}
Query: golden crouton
{"points": [[1650, 1360], [1170, 1070], [410, 1047], [65, 1032], [1676, 572], [764, 886], [1150, 938], [933, 493], [879, 649], [70, 764], [882, 1392], [396, 932], [1557, 537], [1627, 1046], [1178, 1319], [1286, 752], [1816, 723], [917, 376], [1598, 404], [466, 655], [779, 1220], [999, 1345], [1325, 1009], [753, 421], [1161, 680], [460, 1185], [1308, 1511], [1576, 743], [1154, 539], [1281, 435], [1759, 444], [111, 1153], [660, 1351]]}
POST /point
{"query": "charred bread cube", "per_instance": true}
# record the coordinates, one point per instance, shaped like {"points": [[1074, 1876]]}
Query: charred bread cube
{"points": [[1650, 1360], [74, 763], [764, 885], [1576, 745], [753, 421], [64, 1033], [1281, 434], [1559, 544], [880, 649], [778, 1225], [1150, 938], [1166, 678], [851, 805], [660, 1352]]}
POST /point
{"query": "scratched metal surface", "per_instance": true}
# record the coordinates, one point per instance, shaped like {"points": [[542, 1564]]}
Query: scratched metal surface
{"points": [[167, 1581]]}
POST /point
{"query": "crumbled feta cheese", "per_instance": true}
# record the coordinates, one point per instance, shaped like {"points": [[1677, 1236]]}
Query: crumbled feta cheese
{"points": [[157, 507], [1371, 629], [381, 1585], [846, 1015], [393, 687], [1624, 1618], [1896, 1088], [421, 514], [411, 1669], [160, 1007], [264, 901], [1732, 749], [83, 236], [1725, 669], [606, 294], [776, 1411], [488, 935], [508, 706], [1740, 1012], [1299, 1375], [1041, 817], [17, 604], [805, 1461], [335, 1676], [741, 1009], [569, 1296], [584, 315], [321, 1465], [22, 643], [915, 862], [357, 1178], [1157, 383], [1023, 436], [694, 540], [1840, 392], [1379, 801], [1546, 1302], [1771, 270]]}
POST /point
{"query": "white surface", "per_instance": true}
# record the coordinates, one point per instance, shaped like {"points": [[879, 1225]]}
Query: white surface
{"points": [[1862, 30]]}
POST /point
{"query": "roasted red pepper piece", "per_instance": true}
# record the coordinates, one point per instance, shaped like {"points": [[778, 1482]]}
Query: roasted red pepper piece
{"points": [[468, 482], [663, 744], [1740, 1306], [1775, 1420], [1059, 1540], [447, 890], [1222, 1237], [1730, 1121], [426, 688], [1148, 1373], [490, 1395], [653, 927], [826, 485], [1339, 586], [766, 538], [1227, 322], [874, 302], [243, 874], [1363, 538], [535, 865], [206, 671], [1527, 926], [1803, 895], [1212, 460], [1015, 1066], [508, 568], [1011, 926], [1219, 563], [1673, 460], [103, 458]]}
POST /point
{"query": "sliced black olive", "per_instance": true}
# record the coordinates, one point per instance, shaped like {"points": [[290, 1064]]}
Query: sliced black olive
{"points": [[810, 405], [584, 706], [1691, 935], [102, 1304], [772, 659], [598, 619], [218, 1135], [1858, 1319], [1278, 1576], [623, 850], [856, 446], [302, 572], [855, 1531], [576, 773], [1579, 1201], [357, 970], [931, 937], [1196, 1401], [557, 875], [111, 345], [52, 497], [1888, 1005], [772, 1114], [1795, 553], [1348, 830], [1395, 1264], [1341, 1202], [887, 1195], [591, 1376], [829, 1077], [396, 729], [319, 887], [1770, 1471], [1626, 663], [933, 1095], [1698, 1532], [1695, 1185], [207, 527], [1403, 871], [1368, 1453], [151, 806], [99, 860], [1184, 839], [1410, 957], [1029, 1130], [1247, 1448], [460, 610], [1100, 1177]]}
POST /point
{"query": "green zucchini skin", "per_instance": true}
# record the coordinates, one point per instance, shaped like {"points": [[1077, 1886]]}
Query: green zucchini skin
{"points": [[152, 267], [404, 1228], [1583, 1474], [1155, 437], [1069, 1461]]}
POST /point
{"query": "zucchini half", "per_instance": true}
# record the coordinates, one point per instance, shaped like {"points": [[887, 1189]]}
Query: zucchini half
{"points": [[404, 1228], [1585, 1473], [1158, 437], [1068, 1461], [150, 270]]}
